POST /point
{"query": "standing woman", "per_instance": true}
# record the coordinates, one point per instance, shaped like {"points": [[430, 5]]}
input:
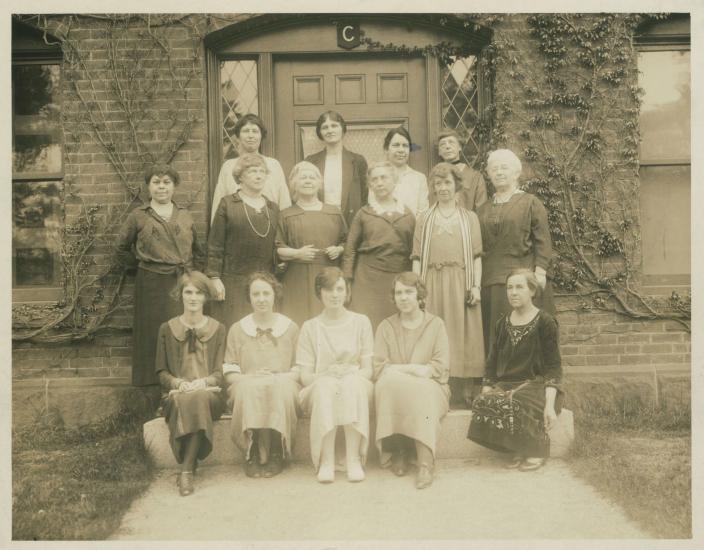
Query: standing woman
{"points": [[473, 192], [411, 369], [241, 239], [344, 172], [522, 392], [447, 255], [378, 246], [189, 356], [334, 355], [160, 240], [411, 188], [250, 131], [516, 235], [311, 236], [263, 390]]}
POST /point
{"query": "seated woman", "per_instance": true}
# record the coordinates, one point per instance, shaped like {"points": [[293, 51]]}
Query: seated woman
{"points": [[189, 356], [521, 392], [334, 355], [411, 367], [263, 391]]}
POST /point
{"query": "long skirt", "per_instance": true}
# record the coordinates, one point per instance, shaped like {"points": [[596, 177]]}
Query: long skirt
{"points": [[299, 302], [495, 304], [152, 306], [411, 406], [446, 299], [235, 305], [263, 401], [510, 419], [371, 292], [188, 413], [331, 402]]}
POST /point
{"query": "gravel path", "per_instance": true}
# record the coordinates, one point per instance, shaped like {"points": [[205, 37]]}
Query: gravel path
{"points": [[467, 501]]}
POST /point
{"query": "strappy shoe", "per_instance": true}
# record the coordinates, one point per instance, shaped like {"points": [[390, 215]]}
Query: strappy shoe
{"points": [[424, 477], [514, 463], [252, 468], [185, 483], [532, 464], [274, 467]]}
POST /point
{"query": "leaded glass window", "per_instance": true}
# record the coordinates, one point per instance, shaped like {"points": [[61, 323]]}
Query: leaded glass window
{"points": [[460, 103], [239, 95]]}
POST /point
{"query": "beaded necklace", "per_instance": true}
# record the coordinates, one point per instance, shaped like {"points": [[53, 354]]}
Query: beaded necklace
{"points": [[268, 221]]}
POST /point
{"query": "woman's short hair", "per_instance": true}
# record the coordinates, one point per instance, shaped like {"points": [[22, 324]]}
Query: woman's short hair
{"points": [[245, 162], [506, 155], [249, 118], [531, 279], [448, 132], [197, 279], [442, 170], [401, 131], [327, 278], [408, 278], [161, 170], [269, 279], [383, 164], [332, 115]]}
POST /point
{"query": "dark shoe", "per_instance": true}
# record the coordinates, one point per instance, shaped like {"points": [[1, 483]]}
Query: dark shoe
{"points": [[399, 463], [532, 464], [514, 463], [252, 468], [274, 467], [185, 483], [424, 477]]}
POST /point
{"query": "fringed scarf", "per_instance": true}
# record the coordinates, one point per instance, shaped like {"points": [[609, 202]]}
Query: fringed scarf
{"points": [[427, 233]]}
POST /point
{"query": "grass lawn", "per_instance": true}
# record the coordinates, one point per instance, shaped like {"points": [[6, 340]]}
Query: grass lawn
{"points": [[643, 464], [76, 484]]}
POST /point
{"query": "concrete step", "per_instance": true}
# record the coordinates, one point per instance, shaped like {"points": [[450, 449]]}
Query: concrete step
{"points": [[453, 442]]}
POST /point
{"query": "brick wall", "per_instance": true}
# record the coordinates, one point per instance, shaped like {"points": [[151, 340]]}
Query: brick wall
{"points": [[591, 342]]}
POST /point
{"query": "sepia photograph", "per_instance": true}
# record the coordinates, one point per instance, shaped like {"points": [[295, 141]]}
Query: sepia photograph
{"points": [[326, 277]]}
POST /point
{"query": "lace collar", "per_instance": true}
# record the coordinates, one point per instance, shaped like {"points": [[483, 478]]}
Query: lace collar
{"points": [[496, 200], [281, 324]]}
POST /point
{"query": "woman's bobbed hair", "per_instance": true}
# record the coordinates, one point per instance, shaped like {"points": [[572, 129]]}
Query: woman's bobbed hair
{"points": [[161, 170], [199, 280], [269, 279], [408, 278], [327, 278], [531, 279], [442, 170]]}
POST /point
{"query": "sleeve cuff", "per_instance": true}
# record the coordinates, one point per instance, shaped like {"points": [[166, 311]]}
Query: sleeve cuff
{"points": [[230, 368]]}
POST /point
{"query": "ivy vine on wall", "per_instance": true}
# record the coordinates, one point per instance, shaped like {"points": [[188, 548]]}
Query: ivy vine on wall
{"points": [[566, 100]]}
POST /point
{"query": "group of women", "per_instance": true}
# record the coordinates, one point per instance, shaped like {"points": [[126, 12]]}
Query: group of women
{"points": [[409, 293]]}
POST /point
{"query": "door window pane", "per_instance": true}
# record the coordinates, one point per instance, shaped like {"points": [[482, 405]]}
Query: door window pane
{"points": [[38, 214], [239, 96], [665, 112], [36, 143], [460, 102]]}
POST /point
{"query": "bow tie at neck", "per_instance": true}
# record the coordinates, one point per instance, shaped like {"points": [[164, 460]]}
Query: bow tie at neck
{"points": [[191, 339], [267, 333]]}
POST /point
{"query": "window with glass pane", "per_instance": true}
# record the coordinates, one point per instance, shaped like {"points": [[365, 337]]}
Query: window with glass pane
{"points": [[460, 103], [36, 124], [239, 96], [665, 156]]}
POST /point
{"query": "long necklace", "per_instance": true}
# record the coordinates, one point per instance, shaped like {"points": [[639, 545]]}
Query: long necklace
{"points": [[268, 221]]}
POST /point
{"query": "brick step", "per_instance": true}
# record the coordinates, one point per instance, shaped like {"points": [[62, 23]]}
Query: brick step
{"points": [[452, 443]]}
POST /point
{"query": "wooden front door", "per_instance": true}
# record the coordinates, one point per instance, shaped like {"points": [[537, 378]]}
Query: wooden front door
{"points": [[373, 93]]}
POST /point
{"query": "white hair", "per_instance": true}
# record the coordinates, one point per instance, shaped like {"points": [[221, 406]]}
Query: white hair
{"points": [[505, 155]]}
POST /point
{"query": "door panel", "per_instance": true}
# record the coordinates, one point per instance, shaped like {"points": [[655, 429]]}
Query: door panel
{"points": [[373, 94]]}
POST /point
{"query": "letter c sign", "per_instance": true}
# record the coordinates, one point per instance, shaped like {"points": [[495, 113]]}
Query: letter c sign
{"points": [[348, 35]]}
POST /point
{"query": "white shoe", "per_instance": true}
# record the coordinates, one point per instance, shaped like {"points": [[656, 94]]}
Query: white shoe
{"points": [[355, 472], [326, 473]]}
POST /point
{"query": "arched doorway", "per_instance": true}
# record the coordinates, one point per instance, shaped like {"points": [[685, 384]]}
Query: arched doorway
{"points": [[289, 69]]}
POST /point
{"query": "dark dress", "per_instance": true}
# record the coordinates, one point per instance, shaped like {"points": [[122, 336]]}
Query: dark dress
{"points": [[524, 360], [354, 180], [378, 248], [297, 228], [188, 354], [515, 234], [241, 241], [160, 250]]}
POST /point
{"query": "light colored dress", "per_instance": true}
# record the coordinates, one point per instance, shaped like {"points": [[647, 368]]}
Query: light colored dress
{"points": [[275, 187], [446, 284], [332, 401], [262, 400], [412, 190], [406, 404]]}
